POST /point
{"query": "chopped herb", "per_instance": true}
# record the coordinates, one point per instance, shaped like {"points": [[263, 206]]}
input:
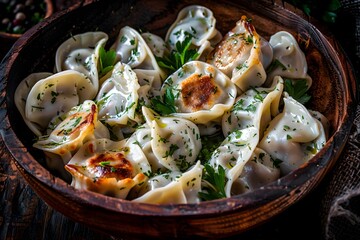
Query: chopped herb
{"points": [[166, 105], [104, 163]]}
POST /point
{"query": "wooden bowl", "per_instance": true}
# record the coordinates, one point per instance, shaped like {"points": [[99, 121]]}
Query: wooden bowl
{"points": [[333, 91]]}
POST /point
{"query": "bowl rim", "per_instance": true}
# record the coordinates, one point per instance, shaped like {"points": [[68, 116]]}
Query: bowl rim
{"points": [[236, 203]]}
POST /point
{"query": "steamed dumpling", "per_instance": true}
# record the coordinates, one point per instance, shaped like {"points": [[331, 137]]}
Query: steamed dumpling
{"points": [[293, 136], [132, 49], [198, 23], [81, 53], [173, 188], [21, 94], [254, 108], [233, 153], [175, 142], [289, 60], [118, 96]]}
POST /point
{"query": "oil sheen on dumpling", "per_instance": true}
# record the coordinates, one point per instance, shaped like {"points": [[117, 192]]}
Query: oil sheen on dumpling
{"points": [[132, 49], [118, 96], [173, 188], [239, 55], [55, 95], [293, 136], [70, 133], [107, 167], [175, 142], [198, 23], [21, 94], [233, 153], [202, 92], [289, 61], [81, 53], [254, 108]]}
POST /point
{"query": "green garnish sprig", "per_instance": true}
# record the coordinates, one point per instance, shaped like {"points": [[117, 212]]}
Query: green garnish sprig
{"points": [[178, 56], [164, 105], [216, 180], [297, 89], [106, 61]]}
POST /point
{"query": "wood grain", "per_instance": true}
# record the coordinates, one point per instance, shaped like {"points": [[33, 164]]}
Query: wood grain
{"points": [[23, 211]]}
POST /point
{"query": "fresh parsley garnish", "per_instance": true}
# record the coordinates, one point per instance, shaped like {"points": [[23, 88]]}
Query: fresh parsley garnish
{"points": [[216, 183], [106, 61], [209, 145], [166, 104], [297, 89], [179, 56]]}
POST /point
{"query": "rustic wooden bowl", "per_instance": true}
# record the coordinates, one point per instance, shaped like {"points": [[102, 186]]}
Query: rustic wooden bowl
{"points": [[333, 91]]}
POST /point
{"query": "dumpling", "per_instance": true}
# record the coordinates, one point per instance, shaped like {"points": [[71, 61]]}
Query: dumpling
{"points": [[260, 170], [175, 142], [233, 153], [156, 44], [118, 96], [81, 53], [55, 95], [132, 49], [70, 133], [21, 94], [254, 108], [202, 93], [108, 167], [198, 23], [293, 136], [150, 84], [289, 61], [239, 55], [173, 188]]}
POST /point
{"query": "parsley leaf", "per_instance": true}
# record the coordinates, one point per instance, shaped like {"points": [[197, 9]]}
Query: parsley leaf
{"points": [[216, 180], [297, 89], [106, 60], [179, 56], [165, 105]]}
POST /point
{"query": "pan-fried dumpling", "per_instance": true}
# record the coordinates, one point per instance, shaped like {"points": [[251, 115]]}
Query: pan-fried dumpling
{"points": [[289, 61], [70, 133], [21, 94], [233, 153], [254, 108], [55, 95], [118, 97], [198, 23], [173, 188], [260, 170], [175, 142], [202, 93], [132, 49], [293, 136], [239, 55], [108, 167], [81, 53]]}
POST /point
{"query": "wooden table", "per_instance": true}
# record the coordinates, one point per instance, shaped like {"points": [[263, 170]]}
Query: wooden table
{"points": [[23, 215]]}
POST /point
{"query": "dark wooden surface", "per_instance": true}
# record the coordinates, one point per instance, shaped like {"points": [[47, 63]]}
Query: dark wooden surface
{"points": [[23, 215]]}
